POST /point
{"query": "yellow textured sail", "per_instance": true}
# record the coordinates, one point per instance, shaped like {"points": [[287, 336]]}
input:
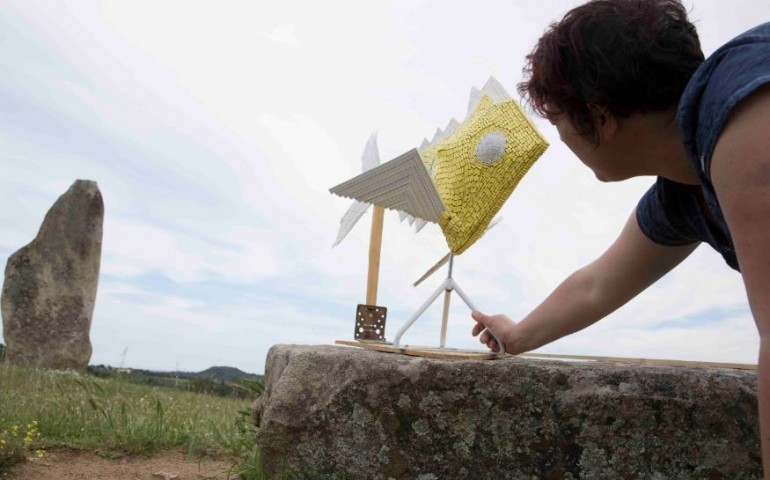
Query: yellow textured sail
{"points": [[476, 167]]}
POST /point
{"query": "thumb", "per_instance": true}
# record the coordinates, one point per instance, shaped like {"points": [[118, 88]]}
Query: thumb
{"points": [[491, 322], [487, 320], [489, 327]]}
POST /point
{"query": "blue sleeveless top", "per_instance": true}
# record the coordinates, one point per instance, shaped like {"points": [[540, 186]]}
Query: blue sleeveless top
{"points": [[672, 213]]}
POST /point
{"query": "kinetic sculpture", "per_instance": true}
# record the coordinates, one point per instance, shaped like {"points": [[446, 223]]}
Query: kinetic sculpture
{"points": [[459, 180]]}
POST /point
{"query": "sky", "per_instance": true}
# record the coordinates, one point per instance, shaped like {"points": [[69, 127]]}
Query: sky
{"points": [[214, 130]]}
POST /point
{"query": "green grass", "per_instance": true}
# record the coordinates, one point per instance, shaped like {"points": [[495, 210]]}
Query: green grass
{"points": [[45, 409]]}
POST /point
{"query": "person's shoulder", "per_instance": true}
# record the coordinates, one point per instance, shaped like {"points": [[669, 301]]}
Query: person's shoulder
{"points": [[757, 35], [729, 75], [760, 33]]}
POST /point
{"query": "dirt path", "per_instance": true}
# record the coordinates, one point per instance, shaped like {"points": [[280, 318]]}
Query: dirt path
{"points": [[170, 465]]}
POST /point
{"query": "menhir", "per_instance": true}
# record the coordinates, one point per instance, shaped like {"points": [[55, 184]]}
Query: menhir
{"points": [[50, 285]]}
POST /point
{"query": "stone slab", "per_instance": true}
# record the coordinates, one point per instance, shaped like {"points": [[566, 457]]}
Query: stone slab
{"points": [[337, 412]]}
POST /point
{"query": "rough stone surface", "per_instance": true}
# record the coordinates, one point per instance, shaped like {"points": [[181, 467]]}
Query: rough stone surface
{"points": [[50, 285], [335, 412]]}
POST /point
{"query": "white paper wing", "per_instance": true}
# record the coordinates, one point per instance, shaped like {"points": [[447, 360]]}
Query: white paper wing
{"points": [[492, 88], [349, 220], [474, 100], [369, 160], [371, 156]]}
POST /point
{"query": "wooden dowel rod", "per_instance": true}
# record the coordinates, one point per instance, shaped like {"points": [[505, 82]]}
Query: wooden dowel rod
{"points": [[375, 246], [445, 317]]}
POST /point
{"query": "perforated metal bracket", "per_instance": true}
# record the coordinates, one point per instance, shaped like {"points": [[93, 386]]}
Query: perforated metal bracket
{"points": [[370, 323]]}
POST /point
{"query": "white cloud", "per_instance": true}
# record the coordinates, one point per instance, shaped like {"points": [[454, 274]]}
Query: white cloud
{"points": [[284, 33]]}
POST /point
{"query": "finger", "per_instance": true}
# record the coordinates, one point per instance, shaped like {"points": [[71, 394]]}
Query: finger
{"points": [[478, 328], [489, 321], [492, 344], [481, 320]]}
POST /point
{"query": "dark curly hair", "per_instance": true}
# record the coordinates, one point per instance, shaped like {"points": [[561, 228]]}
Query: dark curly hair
{"points": [[622, 56]]}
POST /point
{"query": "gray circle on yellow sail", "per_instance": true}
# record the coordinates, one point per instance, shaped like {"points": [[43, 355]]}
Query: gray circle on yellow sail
{"points": [[491, 147]]}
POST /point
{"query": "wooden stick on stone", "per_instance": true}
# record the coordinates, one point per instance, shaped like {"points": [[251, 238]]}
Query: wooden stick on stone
{"points": [[375, 246]]}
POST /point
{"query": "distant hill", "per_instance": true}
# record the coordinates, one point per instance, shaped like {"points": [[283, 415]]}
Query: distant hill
{"points": [[224, 374], [224, 381], [227, 374]]}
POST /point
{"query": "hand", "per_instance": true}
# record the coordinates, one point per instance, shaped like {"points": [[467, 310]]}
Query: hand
{"points": [[500, 325]]}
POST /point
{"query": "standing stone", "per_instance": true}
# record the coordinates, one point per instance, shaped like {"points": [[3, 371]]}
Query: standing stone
{"points": [[50, 285]]}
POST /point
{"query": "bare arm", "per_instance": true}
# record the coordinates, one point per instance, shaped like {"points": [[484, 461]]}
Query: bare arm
{"points": [[630, 265], [740, 171]]}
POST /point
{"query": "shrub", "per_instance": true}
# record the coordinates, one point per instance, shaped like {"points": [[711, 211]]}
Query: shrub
{"points": [[16, 442]]}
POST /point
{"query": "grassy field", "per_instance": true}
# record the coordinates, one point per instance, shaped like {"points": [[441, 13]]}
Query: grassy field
{"points": [[43, 409]]}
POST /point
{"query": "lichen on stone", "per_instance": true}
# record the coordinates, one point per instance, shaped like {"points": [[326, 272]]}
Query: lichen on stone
{"points": [[513, 418]]}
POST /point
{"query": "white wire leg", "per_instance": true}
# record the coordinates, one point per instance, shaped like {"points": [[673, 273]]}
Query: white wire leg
{"points": [[500, 346], [446, 286]]}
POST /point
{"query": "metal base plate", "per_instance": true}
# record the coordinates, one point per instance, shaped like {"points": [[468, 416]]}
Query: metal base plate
{"points": [[370, 323]]}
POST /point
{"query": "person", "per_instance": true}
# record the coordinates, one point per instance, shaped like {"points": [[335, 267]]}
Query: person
{"points": [[627, 87]]}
